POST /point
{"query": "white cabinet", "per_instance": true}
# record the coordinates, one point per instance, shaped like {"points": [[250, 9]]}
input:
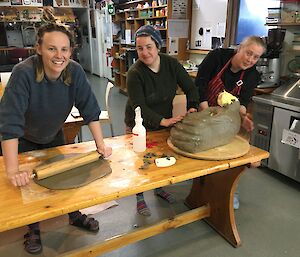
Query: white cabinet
{"points": [[208, 23]]}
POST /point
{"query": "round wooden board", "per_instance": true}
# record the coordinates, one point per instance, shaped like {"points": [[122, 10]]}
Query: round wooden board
{"points": [[237, 148]]}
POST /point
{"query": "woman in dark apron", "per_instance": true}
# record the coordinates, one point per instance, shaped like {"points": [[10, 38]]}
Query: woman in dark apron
{"points": [[235, 72]]}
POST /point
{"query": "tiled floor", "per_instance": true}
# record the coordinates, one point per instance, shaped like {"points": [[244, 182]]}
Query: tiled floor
{"points": [[268, 219]]}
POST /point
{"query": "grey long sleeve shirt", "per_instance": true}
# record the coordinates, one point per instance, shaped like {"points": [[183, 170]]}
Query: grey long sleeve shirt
{"points": [[37, 111]]}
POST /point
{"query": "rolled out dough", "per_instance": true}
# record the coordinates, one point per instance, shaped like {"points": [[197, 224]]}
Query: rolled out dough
{"points": [[76, 177]]}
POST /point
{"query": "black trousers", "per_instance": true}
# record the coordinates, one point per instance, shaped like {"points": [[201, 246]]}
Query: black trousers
{"points": [[26, 145]]}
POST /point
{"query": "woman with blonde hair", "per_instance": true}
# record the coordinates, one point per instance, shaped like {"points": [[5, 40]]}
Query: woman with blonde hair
{"points": [[233, 71]]}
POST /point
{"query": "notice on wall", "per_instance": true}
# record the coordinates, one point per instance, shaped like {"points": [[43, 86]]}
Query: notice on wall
{"points": [[178, 28], [179, 9], [173, 46], [220, 29]]}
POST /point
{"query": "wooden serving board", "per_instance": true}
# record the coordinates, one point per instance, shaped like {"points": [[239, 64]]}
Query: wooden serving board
{"points": [[237, 148]]}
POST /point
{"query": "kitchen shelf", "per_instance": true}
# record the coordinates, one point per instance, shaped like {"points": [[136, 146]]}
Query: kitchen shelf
{"points": [[281, 24], [195, 51], [130, 18], [130, 2]]}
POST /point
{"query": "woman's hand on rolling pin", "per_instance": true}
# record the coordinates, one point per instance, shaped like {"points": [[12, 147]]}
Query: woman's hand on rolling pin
{"points": [[19, 178], [104, 150], [169, 122]]}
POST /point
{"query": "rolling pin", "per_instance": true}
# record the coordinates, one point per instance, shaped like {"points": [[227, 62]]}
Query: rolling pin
{"points": [[48, 170]]}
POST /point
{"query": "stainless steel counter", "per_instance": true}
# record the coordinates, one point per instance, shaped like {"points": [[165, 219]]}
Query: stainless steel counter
{"points": [[278, 102], [286, 96], [274, 115]]}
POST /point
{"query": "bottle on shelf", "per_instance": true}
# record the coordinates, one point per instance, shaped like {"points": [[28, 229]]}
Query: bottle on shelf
{"points": [[139, 132]]}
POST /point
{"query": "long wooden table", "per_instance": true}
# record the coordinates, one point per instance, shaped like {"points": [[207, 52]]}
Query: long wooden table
{"points": [[211, 195]]}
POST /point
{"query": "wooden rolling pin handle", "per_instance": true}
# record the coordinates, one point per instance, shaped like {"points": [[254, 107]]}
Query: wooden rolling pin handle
{"points": [[52, 169]]}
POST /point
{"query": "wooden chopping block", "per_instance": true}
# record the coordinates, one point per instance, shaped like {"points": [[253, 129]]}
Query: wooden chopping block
{"points": [[48, 170]]}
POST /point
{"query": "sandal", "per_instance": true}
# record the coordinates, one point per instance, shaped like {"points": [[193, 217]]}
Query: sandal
{"points": [[32, 243], [85, 222]]}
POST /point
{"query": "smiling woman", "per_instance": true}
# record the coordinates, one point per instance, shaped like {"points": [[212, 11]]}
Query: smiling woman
{"points": [[38, 98], [54, 47], [233, 71], [151, 84], [55, 52]]}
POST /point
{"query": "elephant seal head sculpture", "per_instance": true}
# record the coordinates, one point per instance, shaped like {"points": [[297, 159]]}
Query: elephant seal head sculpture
{"points": [[210, 128]]}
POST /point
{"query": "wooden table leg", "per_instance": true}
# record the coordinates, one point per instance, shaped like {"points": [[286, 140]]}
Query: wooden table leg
{"points": [[217, 190]]}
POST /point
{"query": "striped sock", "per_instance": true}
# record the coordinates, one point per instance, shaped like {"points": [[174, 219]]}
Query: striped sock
{"points": [[141, 205], [164, 195]]}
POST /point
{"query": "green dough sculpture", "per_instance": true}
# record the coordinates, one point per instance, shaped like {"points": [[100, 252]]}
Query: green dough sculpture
{"points": [[210, 128]]}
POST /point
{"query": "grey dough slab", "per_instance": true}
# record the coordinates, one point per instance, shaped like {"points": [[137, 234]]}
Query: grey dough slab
{"points": [[76, 177]]}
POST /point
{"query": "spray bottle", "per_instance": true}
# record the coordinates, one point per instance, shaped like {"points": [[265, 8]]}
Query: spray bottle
{"points": [[139, 132]]}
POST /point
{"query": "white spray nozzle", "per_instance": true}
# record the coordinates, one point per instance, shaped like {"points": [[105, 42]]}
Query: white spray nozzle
{"points": [[138, 115]]}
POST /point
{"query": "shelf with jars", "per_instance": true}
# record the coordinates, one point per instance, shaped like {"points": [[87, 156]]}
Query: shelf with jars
{"points": [[19, 25], [71, 3], [129, 17], [30, 14], [36, 3], [286, 18], [40, 3], [286, 15]]}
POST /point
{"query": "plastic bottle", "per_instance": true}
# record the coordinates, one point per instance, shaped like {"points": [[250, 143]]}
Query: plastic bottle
{"points": [[139, 132]]}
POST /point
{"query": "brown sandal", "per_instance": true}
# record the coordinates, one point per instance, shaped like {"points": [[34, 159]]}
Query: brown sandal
{"points": [[32, 243], [85, 222]]}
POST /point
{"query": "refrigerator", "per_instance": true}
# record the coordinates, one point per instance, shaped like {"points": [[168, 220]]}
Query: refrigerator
{"points": [[101, 43]]}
